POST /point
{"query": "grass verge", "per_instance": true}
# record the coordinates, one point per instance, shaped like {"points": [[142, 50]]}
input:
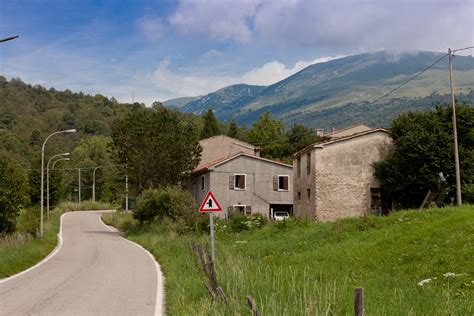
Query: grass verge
{"points": [[409, 263], [19, 251]]}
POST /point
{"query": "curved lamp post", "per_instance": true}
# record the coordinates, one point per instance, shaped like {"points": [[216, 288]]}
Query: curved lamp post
{"points": [[47, 176], [93, 182], [42, 173]]}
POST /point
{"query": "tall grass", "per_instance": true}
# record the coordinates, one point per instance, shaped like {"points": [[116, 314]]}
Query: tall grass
{"points": [[20, 251], [303, 268]]}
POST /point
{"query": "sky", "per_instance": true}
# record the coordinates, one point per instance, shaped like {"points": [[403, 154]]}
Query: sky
{"points": [[148, 51]]}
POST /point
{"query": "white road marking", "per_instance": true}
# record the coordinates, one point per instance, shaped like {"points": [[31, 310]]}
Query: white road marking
{"points": [[160, 298]]}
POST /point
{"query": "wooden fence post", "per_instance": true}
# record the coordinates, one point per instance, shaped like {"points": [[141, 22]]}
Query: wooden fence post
{"points": [[252, 305], [359, 301]]}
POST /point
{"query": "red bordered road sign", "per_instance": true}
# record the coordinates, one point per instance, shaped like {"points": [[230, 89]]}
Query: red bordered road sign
{"points": [[210, 204]]}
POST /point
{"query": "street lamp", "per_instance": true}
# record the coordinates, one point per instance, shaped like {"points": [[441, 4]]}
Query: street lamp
{"points": [[93, 182], [47, 176], [42, 173], [8, 38]]}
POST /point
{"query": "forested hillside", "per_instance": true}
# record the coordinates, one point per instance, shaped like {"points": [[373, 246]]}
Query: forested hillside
{"points": [[28, 114]]}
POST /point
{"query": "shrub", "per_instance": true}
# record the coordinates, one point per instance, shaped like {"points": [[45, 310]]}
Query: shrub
{"points": [[169, 202], [241, 222], [28, 220]]}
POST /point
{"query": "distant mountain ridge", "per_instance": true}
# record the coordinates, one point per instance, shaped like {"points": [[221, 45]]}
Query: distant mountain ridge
{"points": [[178, 103], [349, 81]]}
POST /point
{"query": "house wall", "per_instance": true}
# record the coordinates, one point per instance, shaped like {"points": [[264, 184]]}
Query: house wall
{"points": [[304, 205], [258, 193], [344, 175]]}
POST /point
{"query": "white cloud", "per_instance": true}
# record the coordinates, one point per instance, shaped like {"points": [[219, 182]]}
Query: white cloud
{"points": [[152, 28], [213, 53], [218, 19], [337, 25], [177, 85]]}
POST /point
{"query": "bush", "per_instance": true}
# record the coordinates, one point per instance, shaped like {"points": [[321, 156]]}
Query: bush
{"points": [[240, 223], [169, 202], [28, 220]]}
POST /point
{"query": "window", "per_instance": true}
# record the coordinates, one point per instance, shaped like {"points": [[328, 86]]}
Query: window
{"points": [[308, 192], [308, 163], [283, 183], [202, 183], [239, 182], [298, 166], [299, 195]]}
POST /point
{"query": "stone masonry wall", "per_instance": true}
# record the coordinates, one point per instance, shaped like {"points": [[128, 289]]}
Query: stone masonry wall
{"points": [[344, 175]]}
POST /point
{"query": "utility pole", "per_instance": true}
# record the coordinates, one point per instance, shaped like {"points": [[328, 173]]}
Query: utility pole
{"points": [[93, 182], [455, 132], [126, 190], [79, 193]]}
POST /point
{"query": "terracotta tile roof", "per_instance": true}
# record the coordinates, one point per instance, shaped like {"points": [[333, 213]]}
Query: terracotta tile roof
{"points": [[223, 160], [337, 140]]}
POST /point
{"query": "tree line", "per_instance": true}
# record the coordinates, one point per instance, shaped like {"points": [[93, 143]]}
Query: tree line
{"points": [[157, 147]]}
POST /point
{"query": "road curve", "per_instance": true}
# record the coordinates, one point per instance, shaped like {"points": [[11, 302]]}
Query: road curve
{"points": [[94, 272]]}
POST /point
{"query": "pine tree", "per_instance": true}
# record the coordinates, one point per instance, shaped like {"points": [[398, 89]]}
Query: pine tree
{"points": [[233, 131], [211, 126]]}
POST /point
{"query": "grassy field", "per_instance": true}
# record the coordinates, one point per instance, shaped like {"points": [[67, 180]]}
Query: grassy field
{"points": [[21, 250], [409, 263]]}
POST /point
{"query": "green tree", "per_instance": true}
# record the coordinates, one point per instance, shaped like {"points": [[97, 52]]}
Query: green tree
{"points": [[233, 130], [13, 192], [424, 148], [159, 146], [299, 137], [211, 125], [269, 134]]}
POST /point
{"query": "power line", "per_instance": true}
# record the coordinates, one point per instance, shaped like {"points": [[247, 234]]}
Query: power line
{"points": [[408, 80]]}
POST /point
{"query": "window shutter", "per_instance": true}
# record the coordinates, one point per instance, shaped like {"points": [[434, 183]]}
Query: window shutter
{"points": [[285, 183], [231, 182], [275, 183]]}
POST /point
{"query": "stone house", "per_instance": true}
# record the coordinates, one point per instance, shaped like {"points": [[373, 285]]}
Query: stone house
{"points": [[240, 179], [334, 179]]}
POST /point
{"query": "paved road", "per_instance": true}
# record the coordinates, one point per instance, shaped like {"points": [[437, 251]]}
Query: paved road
{"points": [[95, 272]]}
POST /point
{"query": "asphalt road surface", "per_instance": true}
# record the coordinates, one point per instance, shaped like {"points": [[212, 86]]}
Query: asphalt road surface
{"points": [[93, 272]]}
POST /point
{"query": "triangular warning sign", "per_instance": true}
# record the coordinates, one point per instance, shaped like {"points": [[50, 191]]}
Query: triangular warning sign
{"points": [[210, 204]]}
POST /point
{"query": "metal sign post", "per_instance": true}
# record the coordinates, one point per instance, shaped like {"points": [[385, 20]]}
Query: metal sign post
{"points": [[210, 205], [211, 227]]}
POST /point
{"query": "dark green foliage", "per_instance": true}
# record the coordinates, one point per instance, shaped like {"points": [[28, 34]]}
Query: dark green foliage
{"points": [[424, 148], [300, 137], [169, 202], [159, 146], [28, 220], [211, 126], [13, 192], [240, 222], [34, 185], [233, 131], [269, 134]]}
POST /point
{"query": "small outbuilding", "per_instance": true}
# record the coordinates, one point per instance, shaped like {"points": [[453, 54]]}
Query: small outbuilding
{"points": [[334, 178]]}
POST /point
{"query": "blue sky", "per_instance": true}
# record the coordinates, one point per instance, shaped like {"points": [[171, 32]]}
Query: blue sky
{"points": [[163, 49]]}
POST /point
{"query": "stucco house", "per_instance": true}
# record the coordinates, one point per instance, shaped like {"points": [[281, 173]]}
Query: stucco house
{"points": [[241, 180], [334, 178]]}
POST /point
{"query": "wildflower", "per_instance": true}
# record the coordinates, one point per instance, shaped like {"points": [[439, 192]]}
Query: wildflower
{"points": [[449, 275], [423, 282]]}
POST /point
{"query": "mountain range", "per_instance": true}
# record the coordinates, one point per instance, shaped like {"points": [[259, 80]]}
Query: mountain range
{"points": [[344, 91]]}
